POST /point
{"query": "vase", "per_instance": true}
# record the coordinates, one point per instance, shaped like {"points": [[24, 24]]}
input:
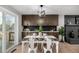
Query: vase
{"points": [[40, 33], [61, 38]]}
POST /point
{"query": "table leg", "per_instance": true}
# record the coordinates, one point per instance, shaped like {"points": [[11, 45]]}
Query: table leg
{"points": [[57, 46], [22, 47]]}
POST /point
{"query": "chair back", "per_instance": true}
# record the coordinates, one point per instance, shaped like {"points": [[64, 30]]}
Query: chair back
{"points": [[31, 42]]}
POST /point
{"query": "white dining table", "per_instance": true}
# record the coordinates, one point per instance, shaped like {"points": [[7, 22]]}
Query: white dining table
{"points": [[39, 36], [40, 41]]}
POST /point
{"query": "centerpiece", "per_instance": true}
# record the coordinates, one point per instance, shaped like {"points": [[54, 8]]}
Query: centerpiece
{"points": [[40, 30]]}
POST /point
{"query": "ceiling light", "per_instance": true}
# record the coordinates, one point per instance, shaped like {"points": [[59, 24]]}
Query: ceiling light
{"points": [[41, 11]]}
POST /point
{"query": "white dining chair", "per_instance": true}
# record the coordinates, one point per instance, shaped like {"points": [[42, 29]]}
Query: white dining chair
{"points": [[34, 34], [49, 44], [44, 34], [31, 48], [40, 33]]}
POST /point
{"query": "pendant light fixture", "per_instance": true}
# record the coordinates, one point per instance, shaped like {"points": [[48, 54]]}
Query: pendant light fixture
{"points": [[41, 11]]}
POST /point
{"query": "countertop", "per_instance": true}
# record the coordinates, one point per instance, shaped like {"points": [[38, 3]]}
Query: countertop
{"points": [[37, 31]]}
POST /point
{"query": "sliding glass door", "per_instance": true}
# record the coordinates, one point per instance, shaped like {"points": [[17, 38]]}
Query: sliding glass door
{"points": [[7, 30], [1, 32], [10, 30]]}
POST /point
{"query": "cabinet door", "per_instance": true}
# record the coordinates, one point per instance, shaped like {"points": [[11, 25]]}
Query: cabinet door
{"points": [[46, 20], [34, 20], [70, 20], [51, 20], [77, 32], [25, 20], [30, 20]]}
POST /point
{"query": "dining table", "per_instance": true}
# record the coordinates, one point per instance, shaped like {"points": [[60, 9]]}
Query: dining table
{"points": [[38, 40]]}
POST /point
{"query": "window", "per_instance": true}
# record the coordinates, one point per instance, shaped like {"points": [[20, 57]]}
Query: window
{"points": [[7, 30], [10, 29], [0, 32]]}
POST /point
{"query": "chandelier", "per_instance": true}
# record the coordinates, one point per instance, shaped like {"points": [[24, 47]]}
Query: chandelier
{"points": [[41, 11]]}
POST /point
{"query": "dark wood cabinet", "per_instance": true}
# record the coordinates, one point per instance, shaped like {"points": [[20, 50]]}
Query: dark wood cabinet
{"points": [[51, 20], [29, 20], [33, 20], [54, 34]]}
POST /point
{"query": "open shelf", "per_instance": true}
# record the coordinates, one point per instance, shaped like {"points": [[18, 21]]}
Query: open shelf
{"points": [[72, 29], [45, 28]]}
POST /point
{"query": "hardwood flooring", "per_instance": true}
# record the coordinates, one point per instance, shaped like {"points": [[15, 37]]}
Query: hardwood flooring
{"points": [[68, 48], [63, 48]]}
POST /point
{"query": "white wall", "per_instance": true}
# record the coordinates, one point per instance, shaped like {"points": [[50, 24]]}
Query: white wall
{"points": [[60, 21]]}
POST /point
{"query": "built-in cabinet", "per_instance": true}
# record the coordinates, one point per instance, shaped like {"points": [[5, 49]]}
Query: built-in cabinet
{"points": [[29, 20], [34, 20], [72, 28], [51, 20], [32, 23]]}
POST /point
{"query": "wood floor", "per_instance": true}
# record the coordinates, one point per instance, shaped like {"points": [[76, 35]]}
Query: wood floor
{"points": [[68, 48], [63, 48]]}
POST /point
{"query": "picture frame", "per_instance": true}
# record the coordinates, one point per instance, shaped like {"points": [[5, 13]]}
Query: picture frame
{"points": [[11, 36]]}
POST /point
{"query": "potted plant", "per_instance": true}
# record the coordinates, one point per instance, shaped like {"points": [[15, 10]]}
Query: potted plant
{"points": [[40, 30], [61, 33]]}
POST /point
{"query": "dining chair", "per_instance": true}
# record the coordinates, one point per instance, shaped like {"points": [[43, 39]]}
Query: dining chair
{"points": [[44, 34], [40, 33], [34, 34], [31, 48], [49, 44]]}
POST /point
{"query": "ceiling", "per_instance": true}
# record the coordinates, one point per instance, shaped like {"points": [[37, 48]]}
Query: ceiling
{"points": [[50, 9]]}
